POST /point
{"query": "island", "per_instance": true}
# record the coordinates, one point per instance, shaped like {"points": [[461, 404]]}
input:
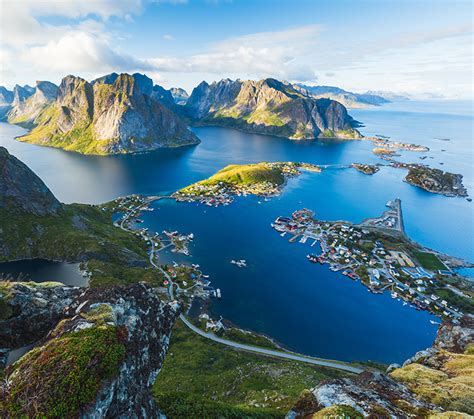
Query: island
{"points": [[379, 254], [261, 179], [436, 180], [368, 169]]}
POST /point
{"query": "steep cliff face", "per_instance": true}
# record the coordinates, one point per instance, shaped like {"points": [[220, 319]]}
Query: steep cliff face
{"points": [[269, 107], [100, 361], [22, 190], [115, 114], [6, 96], [25, 111], [180, 96]]}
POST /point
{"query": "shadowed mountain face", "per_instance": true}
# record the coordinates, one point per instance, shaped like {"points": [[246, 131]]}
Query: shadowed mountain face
{"points": [[269, 107], [22, 190], [113, 114]]}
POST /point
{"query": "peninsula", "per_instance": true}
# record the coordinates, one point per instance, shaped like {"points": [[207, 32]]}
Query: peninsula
{"points": [[378, 253], [261, 179]]}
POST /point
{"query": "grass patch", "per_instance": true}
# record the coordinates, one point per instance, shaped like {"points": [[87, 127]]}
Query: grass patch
{"points": [[200, 370], [62, 377], [429, 261]]}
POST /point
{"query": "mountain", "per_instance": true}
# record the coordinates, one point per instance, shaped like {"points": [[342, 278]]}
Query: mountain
{"points": [[389, 96], [113, 114], [25, 110], [180, 96], [348, 99], [6, 96], [22, 190], [269, 107]]}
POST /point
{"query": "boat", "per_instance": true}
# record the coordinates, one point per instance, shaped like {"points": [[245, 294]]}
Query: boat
{"points": [[218, 293], [312, 258], [394, 295]]}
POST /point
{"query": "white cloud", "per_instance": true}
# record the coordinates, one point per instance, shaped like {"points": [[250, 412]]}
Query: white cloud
{"points": [[264, 54], [168, 37]]}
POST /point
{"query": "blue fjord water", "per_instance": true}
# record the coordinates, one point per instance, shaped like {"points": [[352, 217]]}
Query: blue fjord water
{"points": [[306, 307]]}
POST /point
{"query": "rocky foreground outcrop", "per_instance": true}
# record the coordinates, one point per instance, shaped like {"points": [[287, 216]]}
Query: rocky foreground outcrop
{"points": [[436, 380], [99, 361], [269, 107], [21, 189], [436, 181], [118, 113]]}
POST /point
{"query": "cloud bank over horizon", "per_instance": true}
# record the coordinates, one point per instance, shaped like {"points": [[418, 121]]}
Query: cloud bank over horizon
{"points": [[47, 40]]}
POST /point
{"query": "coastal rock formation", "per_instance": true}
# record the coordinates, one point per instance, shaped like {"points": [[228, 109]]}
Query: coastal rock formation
{"points": [[269, 107], [113, 114], [25, 110], [30, 310], [100, 361], [436, 379], [436, 181], [369, 393], [21, 189], [368, 169], [442, 374]]}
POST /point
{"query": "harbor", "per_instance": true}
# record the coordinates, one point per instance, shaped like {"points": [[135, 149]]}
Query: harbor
{"points": [[378, 253]]}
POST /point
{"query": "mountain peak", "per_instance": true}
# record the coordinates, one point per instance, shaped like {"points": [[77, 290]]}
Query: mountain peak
{"points": [[22, 190]]}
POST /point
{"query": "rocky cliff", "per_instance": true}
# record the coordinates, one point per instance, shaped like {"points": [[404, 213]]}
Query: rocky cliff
{"points": [[25, 110], [22, 190], [114, 114], [180, 96], [269, 107], [435, 381], [99, 361], [6, 96]]}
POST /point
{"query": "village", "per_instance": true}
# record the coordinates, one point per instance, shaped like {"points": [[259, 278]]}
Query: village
{"points": [[377, 253], [187, 281]]}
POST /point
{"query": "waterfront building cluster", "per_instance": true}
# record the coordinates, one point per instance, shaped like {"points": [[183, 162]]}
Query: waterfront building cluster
{"points": [[377, 254]]}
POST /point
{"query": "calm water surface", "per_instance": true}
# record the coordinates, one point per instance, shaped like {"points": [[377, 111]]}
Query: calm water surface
{"points": [[305, 306]]}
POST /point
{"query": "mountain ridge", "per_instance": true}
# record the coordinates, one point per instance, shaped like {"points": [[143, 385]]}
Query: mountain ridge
{"points": [[111, 115], [269, 106]]}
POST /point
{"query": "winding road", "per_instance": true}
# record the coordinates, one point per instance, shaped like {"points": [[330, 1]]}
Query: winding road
{"points": [[241, 346]]}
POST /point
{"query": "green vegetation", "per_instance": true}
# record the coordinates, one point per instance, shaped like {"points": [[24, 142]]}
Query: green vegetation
{"points": [[247, 174], [465, 304], [339, 411], [240, 176], [200, 370], [428, 261], [451, 386], [63, 376], [78, 233], [185, 405]]}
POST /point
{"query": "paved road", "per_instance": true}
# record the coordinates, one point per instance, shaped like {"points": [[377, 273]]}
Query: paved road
{"points": [[241, 346], [269, 352]]}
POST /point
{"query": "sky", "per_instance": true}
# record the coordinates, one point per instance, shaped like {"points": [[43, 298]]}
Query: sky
{"points": [[420, 48]]}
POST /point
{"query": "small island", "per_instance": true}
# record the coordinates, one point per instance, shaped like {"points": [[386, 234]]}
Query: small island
{"points": [[261, 179], [436, 181], [368, 169]]}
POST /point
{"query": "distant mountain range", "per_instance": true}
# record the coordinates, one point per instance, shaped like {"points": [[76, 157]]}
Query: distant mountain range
{"points": [[350, 99], [123, 113]]}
